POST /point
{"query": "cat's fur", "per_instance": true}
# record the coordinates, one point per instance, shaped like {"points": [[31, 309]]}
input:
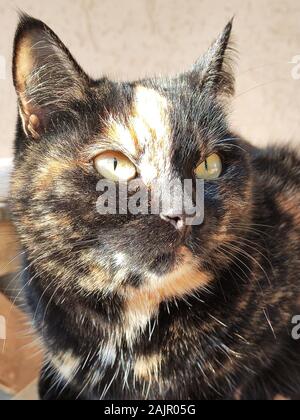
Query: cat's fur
{"points": [[126, 306]]}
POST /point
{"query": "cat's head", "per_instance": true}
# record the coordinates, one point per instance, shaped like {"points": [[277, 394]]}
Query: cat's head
{"points": [[74, 131]]}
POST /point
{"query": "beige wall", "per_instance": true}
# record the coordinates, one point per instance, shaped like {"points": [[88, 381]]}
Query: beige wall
{"points": [[131, 38]]}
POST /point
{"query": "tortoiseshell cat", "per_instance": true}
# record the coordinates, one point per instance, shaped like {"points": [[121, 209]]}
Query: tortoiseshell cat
{"points": [[142, 306]]}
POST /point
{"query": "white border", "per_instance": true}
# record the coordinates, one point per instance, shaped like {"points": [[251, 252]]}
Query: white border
{"points": [[6, 166]]}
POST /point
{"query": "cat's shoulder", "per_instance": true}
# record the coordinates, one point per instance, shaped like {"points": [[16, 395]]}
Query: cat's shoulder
{"points": [[278, 165], [276, 173]]}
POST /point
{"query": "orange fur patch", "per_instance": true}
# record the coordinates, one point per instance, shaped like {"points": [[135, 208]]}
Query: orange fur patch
{"points": [[143, 304], [49, 171]]}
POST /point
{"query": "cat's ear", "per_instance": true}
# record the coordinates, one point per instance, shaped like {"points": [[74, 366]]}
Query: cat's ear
{"points": [[46, 76], [213, 72]]}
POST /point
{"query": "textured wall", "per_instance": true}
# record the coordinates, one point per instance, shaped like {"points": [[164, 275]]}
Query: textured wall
{"points": [[131, 38]]}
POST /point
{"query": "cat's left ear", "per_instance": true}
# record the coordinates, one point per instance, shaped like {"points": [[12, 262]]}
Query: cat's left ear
{"points": [[213, 72], [46, 76]]}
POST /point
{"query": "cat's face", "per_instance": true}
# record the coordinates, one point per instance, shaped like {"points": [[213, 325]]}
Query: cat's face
{"points": [[74, 132]]}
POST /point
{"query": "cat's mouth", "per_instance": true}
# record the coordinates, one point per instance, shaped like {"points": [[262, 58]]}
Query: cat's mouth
{"points": [[171, 257]]}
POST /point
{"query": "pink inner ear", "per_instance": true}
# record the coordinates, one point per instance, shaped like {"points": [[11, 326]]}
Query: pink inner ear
{"points": [[33, 125], [32, 120], [46, 77], [24, 65]]}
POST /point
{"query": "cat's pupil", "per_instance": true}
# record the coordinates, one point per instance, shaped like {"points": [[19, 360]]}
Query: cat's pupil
{"points": [[206, 165], [115, 163]]}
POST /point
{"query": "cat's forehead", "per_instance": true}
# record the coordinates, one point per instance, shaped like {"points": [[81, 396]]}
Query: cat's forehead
{"points": [[146, 132], [147, 118], [165, 125]]}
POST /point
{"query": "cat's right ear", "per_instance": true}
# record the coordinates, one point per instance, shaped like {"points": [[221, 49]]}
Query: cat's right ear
{"points": [[213, 73], [47, 78]]}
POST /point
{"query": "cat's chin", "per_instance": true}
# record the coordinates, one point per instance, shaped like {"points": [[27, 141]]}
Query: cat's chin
{"points": [[163, 264], [167, 263]]}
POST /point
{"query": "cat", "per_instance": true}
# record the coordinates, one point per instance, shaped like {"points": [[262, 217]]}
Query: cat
{"points": [[135, 306]]}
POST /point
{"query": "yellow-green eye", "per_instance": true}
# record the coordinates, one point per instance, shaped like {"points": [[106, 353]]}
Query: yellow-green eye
{"points": [[211, 168], [115, 167]]}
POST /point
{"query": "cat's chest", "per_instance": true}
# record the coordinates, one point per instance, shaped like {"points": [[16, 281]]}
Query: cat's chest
{"points": [[109, 362], [129, 348]]}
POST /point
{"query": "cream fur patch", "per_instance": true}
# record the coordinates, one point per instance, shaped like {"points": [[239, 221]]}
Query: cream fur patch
{"points": [[66, 364], [147, 368], [150, 114], [147, 133]]}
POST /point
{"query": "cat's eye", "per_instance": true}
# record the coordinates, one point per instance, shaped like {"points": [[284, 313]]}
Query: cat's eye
{"points": [[115, 167], [211, 168]]}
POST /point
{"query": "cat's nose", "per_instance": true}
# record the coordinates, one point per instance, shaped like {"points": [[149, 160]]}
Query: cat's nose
{"points": [[176, 220]]}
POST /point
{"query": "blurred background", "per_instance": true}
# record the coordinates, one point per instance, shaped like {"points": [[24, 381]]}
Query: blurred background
{"points": [[129, 39]]}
